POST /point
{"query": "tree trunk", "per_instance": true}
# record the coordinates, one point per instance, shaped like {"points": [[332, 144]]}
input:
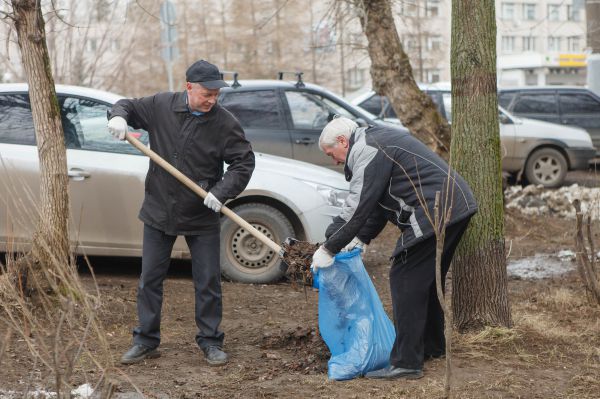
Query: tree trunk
{"points": [[392, 76], [479, 291], [50, 240]]}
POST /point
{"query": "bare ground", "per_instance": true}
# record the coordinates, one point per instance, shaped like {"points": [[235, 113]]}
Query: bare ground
{"points": [[271, 335]]}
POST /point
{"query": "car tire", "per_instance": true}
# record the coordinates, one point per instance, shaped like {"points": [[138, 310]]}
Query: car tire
{"points": [[547, 167], [244, 258]]}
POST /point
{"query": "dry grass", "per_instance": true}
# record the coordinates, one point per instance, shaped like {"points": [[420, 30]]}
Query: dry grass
{"points": [[491, 336], [51, 319]]}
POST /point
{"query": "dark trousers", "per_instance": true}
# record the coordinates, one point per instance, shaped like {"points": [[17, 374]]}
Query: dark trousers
{"points": [[418, 316], [206, 273]]}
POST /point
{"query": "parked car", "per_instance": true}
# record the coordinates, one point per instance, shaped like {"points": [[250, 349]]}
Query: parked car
{"points": [[570, 106], [285, 118], [285, 198], [542, 152]]}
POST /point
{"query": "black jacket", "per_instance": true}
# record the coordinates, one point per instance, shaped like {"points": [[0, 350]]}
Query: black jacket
{"points": [[197, 146], [394, 177]]}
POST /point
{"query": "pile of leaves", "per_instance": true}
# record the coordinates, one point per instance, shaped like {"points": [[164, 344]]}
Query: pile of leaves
{"points": [[310, 352], [298, 256]]}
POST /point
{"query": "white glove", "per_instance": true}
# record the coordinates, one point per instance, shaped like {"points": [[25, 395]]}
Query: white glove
{"points": [[117, 126], [212, 202], [355, 243], [321, 259]]}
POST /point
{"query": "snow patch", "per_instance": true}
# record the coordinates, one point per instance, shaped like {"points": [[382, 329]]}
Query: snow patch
{"points": [[84, 391], [542, 265], [537, 200]]}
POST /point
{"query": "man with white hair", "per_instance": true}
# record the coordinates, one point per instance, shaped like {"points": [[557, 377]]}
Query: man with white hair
{"points": [[394, 177]]}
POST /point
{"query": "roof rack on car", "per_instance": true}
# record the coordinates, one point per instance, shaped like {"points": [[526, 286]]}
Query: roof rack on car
{"points": [[299, 82], [235, 78]]}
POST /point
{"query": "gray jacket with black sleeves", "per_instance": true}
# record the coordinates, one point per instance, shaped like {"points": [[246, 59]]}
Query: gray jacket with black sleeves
{"points": [[197, 146], [394, 177]]}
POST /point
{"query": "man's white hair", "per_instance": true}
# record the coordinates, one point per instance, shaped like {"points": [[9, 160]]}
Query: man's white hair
{"points": [[340, 126]]}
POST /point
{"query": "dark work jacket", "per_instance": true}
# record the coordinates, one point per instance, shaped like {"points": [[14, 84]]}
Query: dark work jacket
{"points": [[197, 146], [394, 177]]}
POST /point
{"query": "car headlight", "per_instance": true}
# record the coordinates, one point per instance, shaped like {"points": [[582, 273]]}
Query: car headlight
{"points": [[332, 196]]}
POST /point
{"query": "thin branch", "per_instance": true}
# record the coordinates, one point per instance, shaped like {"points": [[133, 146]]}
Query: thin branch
{"points": [[265, 22], [137, 2]]}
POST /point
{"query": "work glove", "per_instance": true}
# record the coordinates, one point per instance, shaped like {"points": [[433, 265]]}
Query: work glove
{"points": [[117, 126], [212, 202], [355, 243], [322, 258]]}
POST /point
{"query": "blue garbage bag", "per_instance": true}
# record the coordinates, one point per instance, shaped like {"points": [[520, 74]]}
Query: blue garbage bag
{"points": [[352, 321]]}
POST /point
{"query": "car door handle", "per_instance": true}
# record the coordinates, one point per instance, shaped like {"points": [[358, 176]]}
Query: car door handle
{"points": [[78, 174], [305, 141]]}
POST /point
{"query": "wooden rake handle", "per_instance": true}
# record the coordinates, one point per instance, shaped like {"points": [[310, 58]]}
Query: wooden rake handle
{"points": [[201, 192]]}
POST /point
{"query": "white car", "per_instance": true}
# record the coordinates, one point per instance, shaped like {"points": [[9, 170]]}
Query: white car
{"points": [[542, 152], [285, 198]]}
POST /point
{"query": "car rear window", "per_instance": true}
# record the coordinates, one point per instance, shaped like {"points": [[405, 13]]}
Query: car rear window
{"points": [[536, 104], [579, 103], [373, 104], [255, 109], [16, 121]]}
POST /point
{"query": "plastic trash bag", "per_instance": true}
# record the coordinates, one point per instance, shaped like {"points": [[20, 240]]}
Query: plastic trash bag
{"points": [[352, 321]]}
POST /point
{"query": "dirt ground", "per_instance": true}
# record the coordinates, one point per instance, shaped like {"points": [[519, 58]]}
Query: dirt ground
{"points": [[552, 351]]}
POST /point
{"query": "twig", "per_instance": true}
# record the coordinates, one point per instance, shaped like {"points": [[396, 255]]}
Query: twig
{"points": [[585, 264], [440, 235]]}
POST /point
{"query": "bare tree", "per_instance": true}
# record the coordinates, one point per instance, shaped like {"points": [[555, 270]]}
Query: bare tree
{"points": [[479, 291], [392, 76], [51, 238]]}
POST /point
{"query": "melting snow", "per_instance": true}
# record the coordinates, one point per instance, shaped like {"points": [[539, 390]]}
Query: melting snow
{"points": [[536, 200], [542, 265]]}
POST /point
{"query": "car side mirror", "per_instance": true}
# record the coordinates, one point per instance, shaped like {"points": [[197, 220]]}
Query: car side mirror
{"points": [[504, 119]]}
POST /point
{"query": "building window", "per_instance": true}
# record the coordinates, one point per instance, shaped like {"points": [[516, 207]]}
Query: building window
{"points": [[432, 75], [508, 44], [434, 43], [409, 8], [92, 45], [508, 10], [355, 77], [529, 11], [115, 45], [432, 8], [553, 12], [574, 43], [411, 42], [553, 43], [529, 43], [573, 13]]}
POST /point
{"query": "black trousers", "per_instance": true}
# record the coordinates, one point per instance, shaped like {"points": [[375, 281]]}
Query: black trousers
{"points": [[418, 316], [206, 273]]}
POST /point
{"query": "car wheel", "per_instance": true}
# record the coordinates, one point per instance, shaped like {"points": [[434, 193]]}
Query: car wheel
{"points": [[547, 167], [246, 259]]}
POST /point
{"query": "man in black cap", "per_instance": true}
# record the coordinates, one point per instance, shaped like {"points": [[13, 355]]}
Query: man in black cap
{"points": [[196, 135]]}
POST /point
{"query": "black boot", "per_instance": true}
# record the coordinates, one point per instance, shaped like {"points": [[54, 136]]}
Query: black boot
{"points": [[215, 355], [137, 353], [391, 372]]}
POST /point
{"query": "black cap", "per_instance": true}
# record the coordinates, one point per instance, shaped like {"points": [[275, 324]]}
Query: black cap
{"points": [[206, 74]]}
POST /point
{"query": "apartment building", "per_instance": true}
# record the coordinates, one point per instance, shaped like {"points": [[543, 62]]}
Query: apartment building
{"points": [[117, 45], [541, 42], [538, 41]]}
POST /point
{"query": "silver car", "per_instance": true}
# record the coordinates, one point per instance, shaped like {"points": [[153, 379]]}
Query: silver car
{"points": [[285, 198], [541, 152]]}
